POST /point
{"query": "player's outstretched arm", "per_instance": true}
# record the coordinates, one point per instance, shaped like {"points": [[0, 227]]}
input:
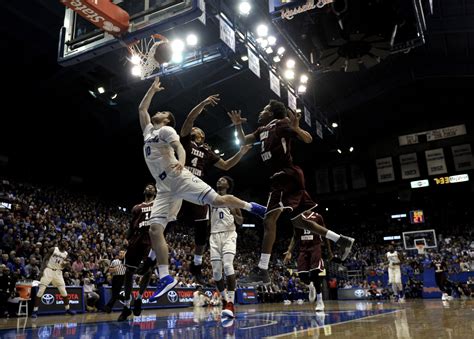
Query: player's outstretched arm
{"points": [[189, 122], [226, 165], [237, 213], [294, 119], [237, 121], [291, 246], [146, 101]]}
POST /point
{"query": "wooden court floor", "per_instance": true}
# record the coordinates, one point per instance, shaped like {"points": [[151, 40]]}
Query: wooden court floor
{"points": [[342, 319]]}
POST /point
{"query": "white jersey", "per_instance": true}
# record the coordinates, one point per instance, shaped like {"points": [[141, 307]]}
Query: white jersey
{"points": [[159, 155], [57, 259], [393, 259], [221, 220]]}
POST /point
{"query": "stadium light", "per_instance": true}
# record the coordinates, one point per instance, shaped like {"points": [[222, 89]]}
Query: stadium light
{"points": [[351, 149], [216, 151], [264, 43], [281, 50], [339, 151], [192, 39], [276, 58], [262, 30], [301, 89], [335, 125], [244, 8], [136, 70], [177, 46], [101, 90], [135, 59], [269, 50], [113, 96], [289, 74], [177, 57], [290, 63], [272, 40], [244, 57], [304, 79], [237, 141]]}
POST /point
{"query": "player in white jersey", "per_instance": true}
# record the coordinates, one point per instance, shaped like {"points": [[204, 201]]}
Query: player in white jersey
{"points": [[52, 272], [223, 244], [173, 183], [395, 259]]}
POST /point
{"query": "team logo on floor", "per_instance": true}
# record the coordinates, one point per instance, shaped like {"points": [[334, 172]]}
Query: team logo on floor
{"points": [[172, 296], [47, 299]]}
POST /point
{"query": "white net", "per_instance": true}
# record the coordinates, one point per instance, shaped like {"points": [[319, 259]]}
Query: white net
{"points": [[142, 55]]}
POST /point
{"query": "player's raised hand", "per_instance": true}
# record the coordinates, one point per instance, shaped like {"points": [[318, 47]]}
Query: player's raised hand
{"points": [[212, 100], [287, 257], [245, 148], [236, 118], [157, 85], [294, 118]]}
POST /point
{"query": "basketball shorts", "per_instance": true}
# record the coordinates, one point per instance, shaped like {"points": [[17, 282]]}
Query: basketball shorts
{"points": [[308, 261], [139, 246], [288, 192], [394, 275], [222, 243], [54, 277], [185, 186]]}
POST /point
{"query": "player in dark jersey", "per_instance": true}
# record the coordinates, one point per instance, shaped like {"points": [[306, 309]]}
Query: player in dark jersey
{"points": [[279, 126], [444, 284], [139, 245], [199, 158], [310, 264]]}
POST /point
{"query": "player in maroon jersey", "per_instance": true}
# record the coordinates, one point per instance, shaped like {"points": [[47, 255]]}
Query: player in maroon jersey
{"points": [[309, 262], [279, 126], [139, 245], [199, 158]]}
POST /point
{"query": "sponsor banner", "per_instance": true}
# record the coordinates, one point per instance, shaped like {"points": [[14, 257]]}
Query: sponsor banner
{"points": [[53, 302], [437, 134], [246, 296], [351, 293], [307, 116], [227, 34], [291, 100], [435, 161], [340, 178], [463, 159], [254, 62], [385, 171], [274, 83], [419, 183], [409, 165], [319, 129]]}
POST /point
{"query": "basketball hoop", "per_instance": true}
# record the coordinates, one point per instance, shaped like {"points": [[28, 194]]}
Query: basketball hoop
{"points": [[420, 248], [142, 54]]}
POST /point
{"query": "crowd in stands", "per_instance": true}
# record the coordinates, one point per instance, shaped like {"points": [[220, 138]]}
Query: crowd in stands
{"points": [[34, 217]]}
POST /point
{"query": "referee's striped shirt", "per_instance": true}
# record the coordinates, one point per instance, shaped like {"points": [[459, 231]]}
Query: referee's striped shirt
{"points": [[119, 266]]}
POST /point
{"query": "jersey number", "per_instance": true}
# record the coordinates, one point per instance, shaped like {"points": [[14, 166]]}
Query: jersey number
{"points": [[148, 151], [221, 215], [194, 162]]}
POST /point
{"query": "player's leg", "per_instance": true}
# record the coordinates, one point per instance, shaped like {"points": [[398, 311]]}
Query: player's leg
{"points": [[216, 263], [317, 281], [229, 250], [58, 282], [201, 238], [137, 304], [315, 223], [45, 280]]}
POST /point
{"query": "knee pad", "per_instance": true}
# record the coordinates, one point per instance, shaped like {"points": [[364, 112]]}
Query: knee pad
{"points": [[41, 290], [216, 270], [228, 264], [62, 291]]}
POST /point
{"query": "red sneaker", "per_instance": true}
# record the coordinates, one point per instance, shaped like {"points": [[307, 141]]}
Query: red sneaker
{"points": [[228, 310]]}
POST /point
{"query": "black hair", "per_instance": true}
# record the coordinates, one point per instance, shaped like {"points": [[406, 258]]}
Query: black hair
{"points": [[172, 120], [230, 181], [278, 109]]}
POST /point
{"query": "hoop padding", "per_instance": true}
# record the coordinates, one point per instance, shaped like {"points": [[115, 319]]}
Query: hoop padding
{"points": [[145, 49]]}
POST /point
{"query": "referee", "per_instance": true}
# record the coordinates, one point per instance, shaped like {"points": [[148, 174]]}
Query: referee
{"points": [[117, 268]]}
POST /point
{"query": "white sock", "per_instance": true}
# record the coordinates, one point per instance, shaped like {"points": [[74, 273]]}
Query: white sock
{"points": [[197, 259], [163, 271], [35, 309], [319, 297], [66, 307], [152, 255], [332, 236], [128, 302], [264, 260], [231, 296], [247, 206]]}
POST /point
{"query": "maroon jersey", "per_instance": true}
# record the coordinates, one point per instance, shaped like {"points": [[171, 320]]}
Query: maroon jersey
{"points": [[275, 138], [198, 157], [307, 240], [140, 216], [439, 266]]}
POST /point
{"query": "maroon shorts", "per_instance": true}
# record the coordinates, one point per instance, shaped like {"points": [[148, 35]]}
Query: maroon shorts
{"points": [[138, 249], [288, 192], [310, 260]]}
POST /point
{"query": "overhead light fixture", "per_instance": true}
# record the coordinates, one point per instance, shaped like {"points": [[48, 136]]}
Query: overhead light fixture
{"points": [[192, 39], [289, 74], [262, 30], [177, 57], [101, 90], [339, 151], [237, 141], [327, 209], [281, 50], [244, 8], [114, 96], [237, 66], [301, 89], [304, 79], [269, 50], [272, 40], [244, 57], [135, 59], [177, 46], [92, 93], [216, 151], [136, 70], [235, 134], [351, 149], [298, 110], [276, 58], [335, 125], [290, 63], [264, 43]]}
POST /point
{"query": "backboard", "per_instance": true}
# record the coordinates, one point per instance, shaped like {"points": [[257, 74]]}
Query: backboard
{"points": [[426, 237], [80, 40]]}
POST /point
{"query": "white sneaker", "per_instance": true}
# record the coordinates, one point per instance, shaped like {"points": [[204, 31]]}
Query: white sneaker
{"points": [[300, 302], [444, 297], [312, 293], [286, 302], [319, 306], [450, 298]]}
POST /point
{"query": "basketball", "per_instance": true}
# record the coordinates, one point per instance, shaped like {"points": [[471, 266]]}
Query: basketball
{"points": [[163, 52]]}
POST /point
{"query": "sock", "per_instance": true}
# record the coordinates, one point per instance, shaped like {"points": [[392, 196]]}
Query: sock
{"points": [[139, 296], [248, 206], [152, 255], [264, 260], [197, 260], [231, 296], [319, 296], [127, 302], [66, 307], [35, 309], [163, 271], [332, 236]]}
